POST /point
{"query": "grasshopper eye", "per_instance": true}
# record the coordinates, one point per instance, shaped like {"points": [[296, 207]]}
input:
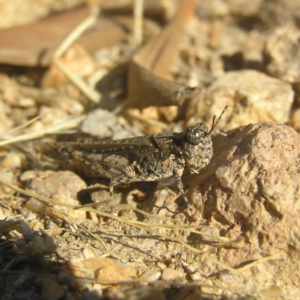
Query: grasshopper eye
{"points": [[196, 133]]}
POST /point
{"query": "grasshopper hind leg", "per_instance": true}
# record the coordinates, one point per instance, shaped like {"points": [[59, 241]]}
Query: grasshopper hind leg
{"points": [[178, 174], [113, 182]]}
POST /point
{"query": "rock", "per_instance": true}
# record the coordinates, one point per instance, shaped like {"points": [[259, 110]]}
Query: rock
{"points": [[171, 274], [100, 268], [9, 176], [61, 186], [191, 268], [150, 275], [196, 276], [243, 9], [295, 119], [252, 97], [109, 124], [12, 160], [251, 189], [282, 56], [77, 60], [62, 183]]}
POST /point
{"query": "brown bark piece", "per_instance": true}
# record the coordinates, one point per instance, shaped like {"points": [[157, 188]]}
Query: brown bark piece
{"points": [[149, 71], [160, 10], [19, 12], [34, 44]]}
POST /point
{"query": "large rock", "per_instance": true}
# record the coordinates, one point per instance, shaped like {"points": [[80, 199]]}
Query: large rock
{"points": [[251, 191], [282, 57], [282, 54], [252, 97]]}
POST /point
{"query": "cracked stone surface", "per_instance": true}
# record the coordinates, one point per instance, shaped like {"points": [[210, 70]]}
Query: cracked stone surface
{"points": [[250, 192]]}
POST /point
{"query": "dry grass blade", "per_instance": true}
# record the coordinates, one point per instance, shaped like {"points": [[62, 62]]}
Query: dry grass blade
{"points": [[54, 128], [22, 126], [77, 32], [174, 225], [49, 201], [145, 226], [138, 20], [137, 224], [261, 260], [87, 23], [41, 198], [78, 82]]}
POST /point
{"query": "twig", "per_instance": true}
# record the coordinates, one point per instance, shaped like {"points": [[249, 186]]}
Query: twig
{"points": [[138, 20], [91, 94], [83, 26], [141, 225], [76, 80], [12, 130], [54, 128]]}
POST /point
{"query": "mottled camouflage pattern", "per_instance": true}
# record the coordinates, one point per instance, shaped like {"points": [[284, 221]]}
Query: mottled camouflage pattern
{"points": [[145, 158]]}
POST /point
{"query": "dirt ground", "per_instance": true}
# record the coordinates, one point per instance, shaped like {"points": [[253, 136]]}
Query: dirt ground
{"points": [[122, 76]]}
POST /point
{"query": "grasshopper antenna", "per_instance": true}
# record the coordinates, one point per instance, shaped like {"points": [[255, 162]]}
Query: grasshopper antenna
{"points": [[214, 122]]}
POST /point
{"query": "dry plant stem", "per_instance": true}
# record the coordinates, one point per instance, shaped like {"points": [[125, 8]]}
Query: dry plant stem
{"points": [[172, 226], [96, 237], [145, 227], [41, 198], [261, 260], [54, 128], [138, 20], [87, 23], [137, 224], [49, 201], [77, 81], [12, 130]]}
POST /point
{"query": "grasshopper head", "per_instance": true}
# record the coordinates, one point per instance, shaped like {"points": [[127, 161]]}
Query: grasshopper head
{"points": [[197, 147]]}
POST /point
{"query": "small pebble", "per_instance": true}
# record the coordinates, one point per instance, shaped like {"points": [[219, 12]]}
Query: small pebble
{"points": [[191, 268], [196, 276], [170, 274], [151, 275], [172, 266], [161, 265]]}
